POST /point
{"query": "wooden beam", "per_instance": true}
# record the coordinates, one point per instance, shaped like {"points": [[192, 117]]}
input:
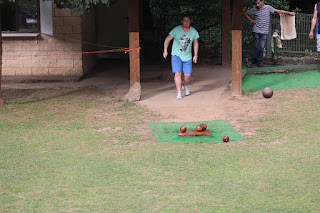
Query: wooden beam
{"points": [[236, 62], [133, 14], [1, 96], [237, 47], [225, 33], [237, 14], [134, 58]]}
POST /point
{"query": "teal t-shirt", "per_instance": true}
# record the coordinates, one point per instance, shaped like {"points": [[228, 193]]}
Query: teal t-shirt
{"points": [[182, 42]]}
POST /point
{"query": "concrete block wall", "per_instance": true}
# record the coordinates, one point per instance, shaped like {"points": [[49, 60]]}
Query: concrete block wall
{"points": [[52, 56]]}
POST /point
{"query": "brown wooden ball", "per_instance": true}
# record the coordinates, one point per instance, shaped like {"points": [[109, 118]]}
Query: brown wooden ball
{"points": [[204, 126], [199, 128], [267, 92], [225, 138], [183, 129]]}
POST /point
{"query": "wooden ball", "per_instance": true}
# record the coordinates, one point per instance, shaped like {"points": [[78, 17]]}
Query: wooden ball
{"points": [[183, 129], [267, 92], [204, 126], [225, 138], [199, 128]]}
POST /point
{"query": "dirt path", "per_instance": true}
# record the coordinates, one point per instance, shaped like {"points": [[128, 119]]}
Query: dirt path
{"points": [[158, 94], [207, 85], [209, 99]]}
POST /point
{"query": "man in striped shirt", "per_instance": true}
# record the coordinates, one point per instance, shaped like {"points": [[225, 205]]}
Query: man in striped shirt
{"points": [[315, 22], [261, 22]]}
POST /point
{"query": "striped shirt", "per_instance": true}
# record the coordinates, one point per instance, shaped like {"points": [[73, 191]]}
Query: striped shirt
{"points": [[262, 18], [318, 18]]}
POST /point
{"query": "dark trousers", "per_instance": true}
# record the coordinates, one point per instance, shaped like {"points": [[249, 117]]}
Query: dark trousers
{"points": [[259, 42]]}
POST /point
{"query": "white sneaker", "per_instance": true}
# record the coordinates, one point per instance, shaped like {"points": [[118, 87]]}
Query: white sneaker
{"points": [[179, 95], [186, 90]]}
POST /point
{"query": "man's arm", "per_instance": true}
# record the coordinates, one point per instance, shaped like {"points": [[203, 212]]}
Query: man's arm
{"points": [[313, 22], [196, 50], [284, 12], [166, 44], [247, 16]]}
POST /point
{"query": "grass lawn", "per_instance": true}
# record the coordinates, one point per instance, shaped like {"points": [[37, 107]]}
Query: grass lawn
{"points": [[81, 150]]}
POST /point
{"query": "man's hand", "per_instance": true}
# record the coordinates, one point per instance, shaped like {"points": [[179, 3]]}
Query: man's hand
{"points": [[195, 59], [311, 35], [165, 54], [253, 21], [292, 13]]}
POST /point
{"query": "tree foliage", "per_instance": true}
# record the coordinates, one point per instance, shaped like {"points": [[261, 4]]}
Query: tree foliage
{"points": [[81, 6], [206, 18]]}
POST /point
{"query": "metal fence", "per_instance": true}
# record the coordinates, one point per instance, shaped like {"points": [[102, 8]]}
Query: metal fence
{"points": [[210, 39], [302, 44]]}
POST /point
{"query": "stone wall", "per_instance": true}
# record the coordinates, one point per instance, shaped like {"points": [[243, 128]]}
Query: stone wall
{"points": [[291, 59]]}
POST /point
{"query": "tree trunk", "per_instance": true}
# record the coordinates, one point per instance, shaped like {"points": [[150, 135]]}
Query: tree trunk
{"points": [[1, 97]]}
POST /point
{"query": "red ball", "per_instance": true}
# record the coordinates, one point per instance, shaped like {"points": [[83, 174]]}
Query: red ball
{"points": [[267, 92], [183, 129], [225, 138]]}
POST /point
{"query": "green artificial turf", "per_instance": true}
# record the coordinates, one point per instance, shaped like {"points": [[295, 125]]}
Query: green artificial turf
{"points": [[163, 131], [305, 79]]}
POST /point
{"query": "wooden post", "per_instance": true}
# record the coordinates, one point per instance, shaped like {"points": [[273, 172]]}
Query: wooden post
{"points": [[133, 14], [237, 47], [1, 96], [236, 62], [225, 32]]}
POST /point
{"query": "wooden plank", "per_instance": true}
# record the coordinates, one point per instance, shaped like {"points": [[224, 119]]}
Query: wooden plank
{"points": [[225, 32], [194, 133], [236, 62], [134, 58]]}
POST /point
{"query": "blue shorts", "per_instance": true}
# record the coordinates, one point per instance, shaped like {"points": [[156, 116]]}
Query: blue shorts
{"points": [[178, 65]]}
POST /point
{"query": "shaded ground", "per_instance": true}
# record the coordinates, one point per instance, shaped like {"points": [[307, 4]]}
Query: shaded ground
{"points": [[158, 89]]}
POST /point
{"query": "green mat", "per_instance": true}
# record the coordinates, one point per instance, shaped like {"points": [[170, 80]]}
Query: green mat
{"points": [[305, 79], [168, 131]]}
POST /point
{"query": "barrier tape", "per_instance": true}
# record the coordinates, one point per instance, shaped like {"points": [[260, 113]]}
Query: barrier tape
{"points": [[118, 49]]}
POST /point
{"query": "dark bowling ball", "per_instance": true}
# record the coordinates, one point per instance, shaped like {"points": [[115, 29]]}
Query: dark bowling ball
{"points": [[183, 129], [204, 126], [267, 92], [225, 138]]}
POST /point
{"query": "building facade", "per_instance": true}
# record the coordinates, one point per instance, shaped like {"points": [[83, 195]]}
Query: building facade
{"points": [[41, 41]]}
